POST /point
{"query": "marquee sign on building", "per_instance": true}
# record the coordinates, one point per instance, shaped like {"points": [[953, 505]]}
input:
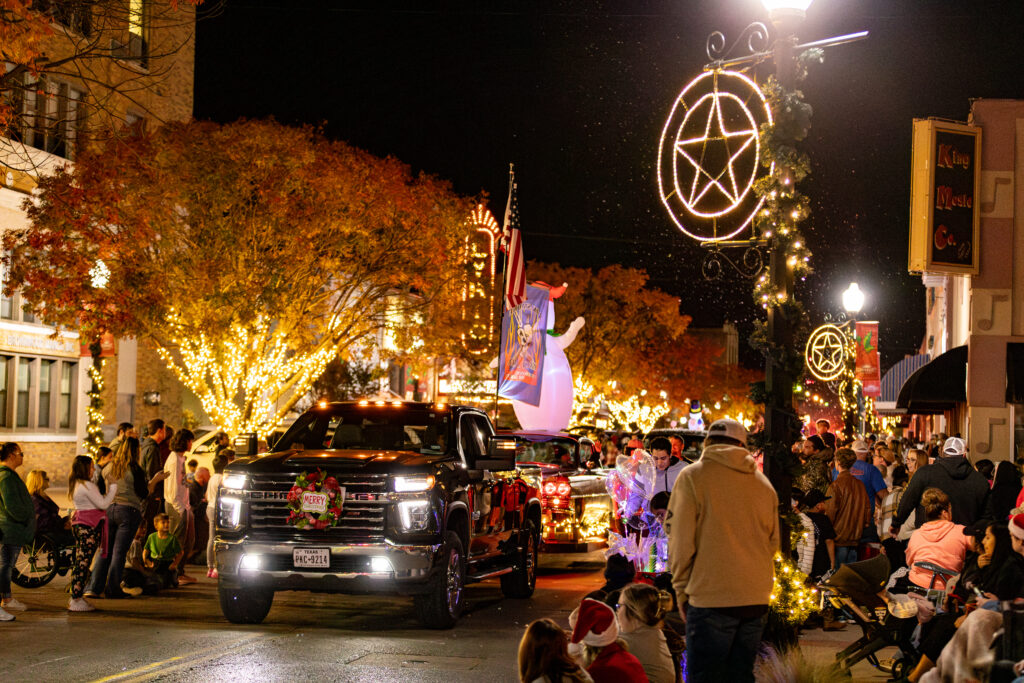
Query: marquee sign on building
{"points": [[478, 305], [944, 191]]}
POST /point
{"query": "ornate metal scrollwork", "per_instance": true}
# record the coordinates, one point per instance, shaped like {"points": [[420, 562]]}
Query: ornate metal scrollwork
{"points": [[754, 37], [748, 266]]}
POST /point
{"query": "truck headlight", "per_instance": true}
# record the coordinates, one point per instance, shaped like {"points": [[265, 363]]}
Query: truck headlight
{"points": [[235, 482], [229, 512], [415, 514], [407, 484]]}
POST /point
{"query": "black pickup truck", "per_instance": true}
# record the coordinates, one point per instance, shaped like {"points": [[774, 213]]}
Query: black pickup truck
{"points": [[377, 497]]}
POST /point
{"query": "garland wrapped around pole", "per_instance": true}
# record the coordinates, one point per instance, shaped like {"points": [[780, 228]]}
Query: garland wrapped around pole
{"points": [[94, 412]]}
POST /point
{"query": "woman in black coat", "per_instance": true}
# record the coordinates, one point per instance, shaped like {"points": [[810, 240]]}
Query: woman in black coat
{"points": [[1005, 489]]}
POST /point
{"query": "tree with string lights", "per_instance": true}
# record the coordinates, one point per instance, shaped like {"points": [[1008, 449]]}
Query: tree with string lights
{"points": [[250, 255]]}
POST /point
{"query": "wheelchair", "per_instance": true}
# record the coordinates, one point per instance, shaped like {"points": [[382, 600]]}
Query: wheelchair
{"points": [[43, 558]]}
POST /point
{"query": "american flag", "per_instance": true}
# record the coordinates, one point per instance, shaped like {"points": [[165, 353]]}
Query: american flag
{"points": [[512, 245]]}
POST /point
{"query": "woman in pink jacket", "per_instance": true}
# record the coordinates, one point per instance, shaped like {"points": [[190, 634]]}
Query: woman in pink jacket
{"points": [[938, 541]]}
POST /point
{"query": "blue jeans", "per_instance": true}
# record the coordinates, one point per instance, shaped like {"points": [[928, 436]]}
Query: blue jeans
{"points": [[845, 554], [122, 524], [8, 556], [720, 647]]}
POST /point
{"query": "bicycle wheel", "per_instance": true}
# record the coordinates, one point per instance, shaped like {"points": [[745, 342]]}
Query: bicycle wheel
{"points": [[36, 565]]}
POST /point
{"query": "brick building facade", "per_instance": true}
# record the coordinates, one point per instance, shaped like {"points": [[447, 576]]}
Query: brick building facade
{"points": [[143, 75]]}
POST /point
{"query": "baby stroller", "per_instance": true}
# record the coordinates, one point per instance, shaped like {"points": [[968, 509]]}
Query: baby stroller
{"points": [[859, 589]]}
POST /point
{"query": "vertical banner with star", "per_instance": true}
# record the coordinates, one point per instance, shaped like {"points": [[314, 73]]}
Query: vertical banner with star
{"points": [[867, 370], [521, 356]]}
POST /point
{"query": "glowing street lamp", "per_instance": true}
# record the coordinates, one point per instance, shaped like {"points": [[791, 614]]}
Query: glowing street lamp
{"points": [[781, 10], [853, 299]]}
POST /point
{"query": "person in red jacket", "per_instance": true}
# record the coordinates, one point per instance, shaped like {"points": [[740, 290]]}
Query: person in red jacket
{"points": [[605, 656]]}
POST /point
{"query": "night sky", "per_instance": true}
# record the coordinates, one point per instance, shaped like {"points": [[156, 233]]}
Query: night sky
{"points": [[576, 94]]}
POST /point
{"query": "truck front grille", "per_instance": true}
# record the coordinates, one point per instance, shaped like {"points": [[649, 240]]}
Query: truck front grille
{"points": [[363, 512]]}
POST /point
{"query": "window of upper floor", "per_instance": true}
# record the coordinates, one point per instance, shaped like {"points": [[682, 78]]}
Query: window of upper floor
{"points": [[50, 115], [74, 15]]}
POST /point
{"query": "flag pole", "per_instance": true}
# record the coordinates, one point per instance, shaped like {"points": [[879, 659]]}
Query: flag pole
{"points": [[504, 284]]}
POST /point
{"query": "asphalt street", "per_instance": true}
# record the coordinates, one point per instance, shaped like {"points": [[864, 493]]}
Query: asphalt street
{"points": [[180, 635]]}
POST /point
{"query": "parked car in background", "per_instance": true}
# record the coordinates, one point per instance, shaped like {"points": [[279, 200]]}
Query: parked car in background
{"points": [[693, 440], [575, 506]]}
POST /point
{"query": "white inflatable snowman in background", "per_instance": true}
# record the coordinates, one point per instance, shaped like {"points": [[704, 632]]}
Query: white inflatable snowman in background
{"points": [[554, 411]]}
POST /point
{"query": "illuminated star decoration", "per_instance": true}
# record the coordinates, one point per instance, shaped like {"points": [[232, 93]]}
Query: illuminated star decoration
{"points": [[714, 156], [826, 353], [710, 153]]}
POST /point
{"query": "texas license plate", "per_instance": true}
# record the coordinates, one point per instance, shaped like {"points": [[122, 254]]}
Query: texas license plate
{"points": [[311, 558]]}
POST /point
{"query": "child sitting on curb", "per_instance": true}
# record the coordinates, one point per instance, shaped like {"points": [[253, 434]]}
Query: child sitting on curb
{"points": [[163, 552]]}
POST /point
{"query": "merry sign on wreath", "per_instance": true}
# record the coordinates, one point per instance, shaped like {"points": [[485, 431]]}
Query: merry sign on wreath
{"points": [[315, 501]]}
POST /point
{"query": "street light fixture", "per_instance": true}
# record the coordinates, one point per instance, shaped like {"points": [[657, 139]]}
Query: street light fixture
{"points": [[780, 11], [853, 299]]}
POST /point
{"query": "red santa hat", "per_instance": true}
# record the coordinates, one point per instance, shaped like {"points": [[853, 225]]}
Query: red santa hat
{"points": [[1017, 526], [593, 623]]}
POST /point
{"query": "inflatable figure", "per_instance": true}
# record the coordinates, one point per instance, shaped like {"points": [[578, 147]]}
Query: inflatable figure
{"points": [[556, 390], [554, 411], [696, 417]]}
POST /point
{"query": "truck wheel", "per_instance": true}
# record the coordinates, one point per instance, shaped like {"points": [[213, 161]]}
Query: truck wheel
{"points": [[522, 582], [245, 605], [441, 607]]}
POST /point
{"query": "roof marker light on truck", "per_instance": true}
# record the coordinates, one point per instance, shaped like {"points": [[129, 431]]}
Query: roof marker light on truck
{"points": [[364, 402]]}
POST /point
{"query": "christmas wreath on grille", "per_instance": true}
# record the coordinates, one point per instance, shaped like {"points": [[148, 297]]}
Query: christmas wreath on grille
{"points": [[315, 501]]}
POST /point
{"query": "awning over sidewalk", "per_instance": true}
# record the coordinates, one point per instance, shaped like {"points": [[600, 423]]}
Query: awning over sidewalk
{"points": [[893, 381], [937, 386]]}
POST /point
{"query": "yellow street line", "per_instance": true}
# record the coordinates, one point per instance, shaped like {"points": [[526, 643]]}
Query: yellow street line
{"points": [[206, 654]]}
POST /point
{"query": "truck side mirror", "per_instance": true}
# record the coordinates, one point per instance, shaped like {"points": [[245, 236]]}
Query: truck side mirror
{"points": [[501, 455], [245, 445]]}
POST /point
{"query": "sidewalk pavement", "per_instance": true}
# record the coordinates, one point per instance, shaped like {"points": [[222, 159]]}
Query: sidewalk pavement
{"points": [[820, 647]]}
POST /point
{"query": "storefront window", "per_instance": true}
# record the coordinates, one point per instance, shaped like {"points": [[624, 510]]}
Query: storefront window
{"points": [[44, 392], [65, 394], [24, 372], [4, 364]]}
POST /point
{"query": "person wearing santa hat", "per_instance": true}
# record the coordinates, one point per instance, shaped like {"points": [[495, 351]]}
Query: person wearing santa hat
{"points": [[594, 627], [1017, 533]]}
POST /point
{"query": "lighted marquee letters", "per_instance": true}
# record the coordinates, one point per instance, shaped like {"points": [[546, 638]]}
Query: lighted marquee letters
{"points": [[710, 154], [478, 288]]}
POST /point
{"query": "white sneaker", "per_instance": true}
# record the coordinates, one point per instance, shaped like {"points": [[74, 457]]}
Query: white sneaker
{"points": [[15, 605], [5, 615], [79, 605], [134, 591]]}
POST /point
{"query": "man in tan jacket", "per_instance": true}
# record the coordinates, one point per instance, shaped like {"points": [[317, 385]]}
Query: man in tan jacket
{"points": [[723, 533]]}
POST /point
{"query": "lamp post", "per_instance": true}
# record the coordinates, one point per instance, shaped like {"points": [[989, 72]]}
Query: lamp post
{"points": [[853, 301]]}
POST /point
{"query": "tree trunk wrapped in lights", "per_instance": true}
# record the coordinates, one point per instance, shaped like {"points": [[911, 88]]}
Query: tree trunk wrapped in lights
{"points": [[250, 255]]}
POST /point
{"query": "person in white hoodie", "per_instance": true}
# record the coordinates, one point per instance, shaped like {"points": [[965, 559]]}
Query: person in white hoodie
{"points": [[176, 505], [666, 466], [88, 524], [723, 533]]}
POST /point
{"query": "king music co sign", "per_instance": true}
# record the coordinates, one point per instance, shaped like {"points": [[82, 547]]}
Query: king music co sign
{"points": [[943, 205]]}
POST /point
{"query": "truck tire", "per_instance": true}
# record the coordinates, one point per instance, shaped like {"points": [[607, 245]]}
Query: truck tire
{"points": [[522, 582], [245, 605], [442, 606]]}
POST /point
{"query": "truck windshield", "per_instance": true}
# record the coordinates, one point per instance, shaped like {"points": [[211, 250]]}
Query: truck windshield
{"points": [[555, 452], [369, 428]]}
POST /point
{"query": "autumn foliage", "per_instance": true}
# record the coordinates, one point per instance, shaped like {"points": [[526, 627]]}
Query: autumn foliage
{"points": [[250, 254], [636, 340]]}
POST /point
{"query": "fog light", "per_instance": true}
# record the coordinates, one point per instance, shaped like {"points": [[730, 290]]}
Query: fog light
{"points": [[250, 563], [380, 565]]}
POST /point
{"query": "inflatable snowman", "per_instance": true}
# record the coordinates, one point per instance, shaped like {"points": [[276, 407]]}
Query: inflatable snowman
{"points": [[554, 411]]}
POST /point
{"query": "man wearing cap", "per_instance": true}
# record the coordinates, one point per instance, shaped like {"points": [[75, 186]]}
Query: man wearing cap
{"points": [[723, 533], [953, 475]]}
